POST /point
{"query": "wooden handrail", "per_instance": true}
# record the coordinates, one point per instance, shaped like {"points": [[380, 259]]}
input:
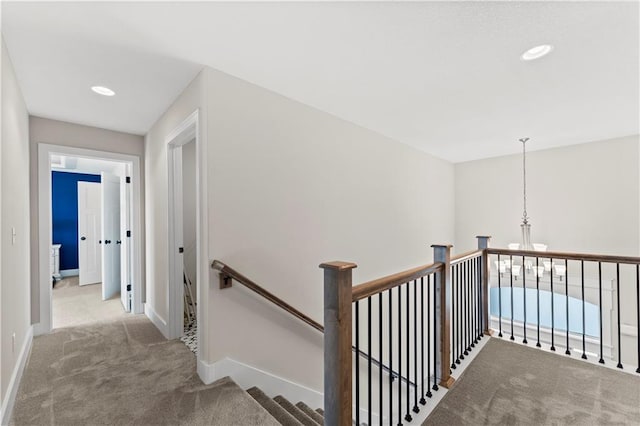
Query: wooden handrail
{"points": [[569, 256], [227, 272], [379, 285], [465, 256]]}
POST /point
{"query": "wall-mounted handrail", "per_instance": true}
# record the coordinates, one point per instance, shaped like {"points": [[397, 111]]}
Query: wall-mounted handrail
{"points": [[604, 258], [379, 285], [227, 273]]}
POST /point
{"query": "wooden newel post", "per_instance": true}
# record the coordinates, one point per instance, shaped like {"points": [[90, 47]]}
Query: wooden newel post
{"points": [[442, 254], [337, 343], [483, 244]]}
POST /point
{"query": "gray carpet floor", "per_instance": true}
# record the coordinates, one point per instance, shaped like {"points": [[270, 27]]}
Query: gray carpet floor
{"points": [[510, 384], [124, 372], [75, 305]]}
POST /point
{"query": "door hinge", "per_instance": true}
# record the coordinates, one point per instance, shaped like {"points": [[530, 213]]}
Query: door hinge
{"points": [[128, 234], [128, 179], [128, 287]]}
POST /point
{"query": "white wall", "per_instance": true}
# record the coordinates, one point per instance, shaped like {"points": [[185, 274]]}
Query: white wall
{"points": [[43, 130], [291, 187], [189, 211], [582, 198], [14, 265]]}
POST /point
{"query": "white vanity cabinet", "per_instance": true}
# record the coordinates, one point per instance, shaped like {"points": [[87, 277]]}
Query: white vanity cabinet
{"points": [[55, 261]]}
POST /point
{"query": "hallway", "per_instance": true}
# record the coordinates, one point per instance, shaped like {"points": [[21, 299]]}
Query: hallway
{"points": [[123, 372]]}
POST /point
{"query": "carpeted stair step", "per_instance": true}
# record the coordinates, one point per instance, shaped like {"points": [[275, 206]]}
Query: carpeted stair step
{"points": [[295, 411], [309, 412], [320, 411], [275, 409]]}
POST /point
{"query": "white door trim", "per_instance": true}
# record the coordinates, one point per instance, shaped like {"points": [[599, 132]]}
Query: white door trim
{"points": [[45, 233], [187, 131]]}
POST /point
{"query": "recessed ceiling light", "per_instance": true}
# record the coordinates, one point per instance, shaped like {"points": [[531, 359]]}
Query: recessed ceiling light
{"points": [[105, 91], [536, 52]]}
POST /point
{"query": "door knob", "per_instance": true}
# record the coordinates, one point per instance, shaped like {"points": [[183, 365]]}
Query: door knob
{"points": [[107, 241], [99, 241], [118, 242], [83, 238]]}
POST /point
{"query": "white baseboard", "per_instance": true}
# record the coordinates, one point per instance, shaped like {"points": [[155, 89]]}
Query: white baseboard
{"points": [[70, 272], [246, 376], [16, 377], [157, 320], [39, 329]]}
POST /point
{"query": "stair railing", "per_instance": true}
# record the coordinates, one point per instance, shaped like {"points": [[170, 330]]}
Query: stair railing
{"points": [[546, 299], [227, 275], [413, 314]]}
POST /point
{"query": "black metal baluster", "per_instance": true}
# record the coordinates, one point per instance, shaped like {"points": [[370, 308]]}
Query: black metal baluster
{"points": [[357, 362], [459, 343], [454, 346], [415, 347], [584, 331], [422, 400], [499, 299], [474, 305], [480, 304], [511, 291], [429, 324], [407, 416], [469, 310], [524, 298], [601, 360], [380, 404], [566, 286], [618, 305], [369, 350], [638, 313], [553, 334], [472, 296], [399, 355], [435, 339], [465, 305], [390, 293], [538, 300]]}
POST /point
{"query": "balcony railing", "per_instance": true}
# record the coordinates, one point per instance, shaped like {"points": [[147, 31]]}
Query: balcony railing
{"points": [[424, 322]]}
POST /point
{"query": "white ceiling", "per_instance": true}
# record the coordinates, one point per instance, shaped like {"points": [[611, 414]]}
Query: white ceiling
{"points": [[444, 77]]}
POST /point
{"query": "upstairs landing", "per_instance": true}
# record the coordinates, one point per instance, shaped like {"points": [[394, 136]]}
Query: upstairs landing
{"points": [[513, 384]]}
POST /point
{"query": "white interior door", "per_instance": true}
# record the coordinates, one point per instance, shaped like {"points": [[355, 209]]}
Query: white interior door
{"points": [[89, 233], [125, 247], [110, 235]]}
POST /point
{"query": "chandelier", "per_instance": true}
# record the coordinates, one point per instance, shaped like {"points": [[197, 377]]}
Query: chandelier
{"points": [[525, 226]]}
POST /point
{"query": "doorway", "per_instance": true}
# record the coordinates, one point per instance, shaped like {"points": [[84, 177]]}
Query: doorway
{"points": [[89, 206], [99, 270], [185, 231]]}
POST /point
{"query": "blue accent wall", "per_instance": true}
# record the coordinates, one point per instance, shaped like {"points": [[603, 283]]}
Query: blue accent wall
{"points": [[64, 210]]}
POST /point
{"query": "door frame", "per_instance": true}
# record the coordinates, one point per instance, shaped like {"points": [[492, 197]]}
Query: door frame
{"points": [[187, 131], [45, 227]]}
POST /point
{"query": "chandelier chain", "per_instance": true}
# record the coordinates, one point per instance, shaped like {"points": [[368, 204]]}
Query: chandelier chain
{"points": [[525, 217]]}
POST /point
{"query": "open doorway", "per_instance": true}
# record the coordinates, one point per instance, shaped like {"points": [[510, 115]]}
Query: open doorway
{"points": [[185, 247], [88, 236], [90, 211]]}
